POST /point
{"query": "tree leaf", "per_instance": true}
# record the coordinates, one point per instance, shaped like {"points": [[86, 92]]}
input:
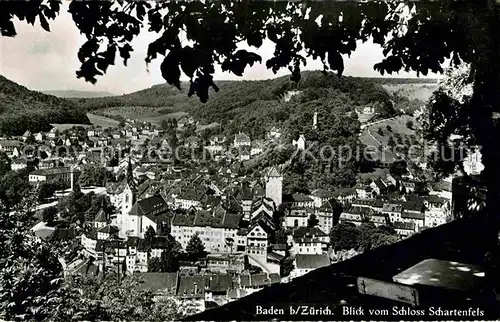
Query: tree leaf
{"points": [[335, 61], [89, 48], [189, 63], [170, 69], [8, 29], [125, 53], [43, 22], [255, 39]]}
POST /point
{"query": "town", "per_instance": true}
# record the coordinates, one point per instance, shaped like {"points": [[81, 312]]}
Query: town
{"points": [[201, 227]]}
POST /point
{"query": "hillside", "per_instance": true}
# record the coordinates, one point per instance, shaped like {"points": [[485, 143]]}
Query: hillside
{"points": [[402, 81], [420, 92], [377, 136], [252, 106], [410, 96], [102, 121], [77, 94], [141, 113], [22, 109], [161, 96]]}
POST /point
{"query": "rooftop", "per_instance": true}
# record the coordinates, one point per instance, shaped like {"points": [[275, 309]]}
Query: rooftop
{"points": [[311, 261], [156, 282], [344, 192], [323, 194], [296, 197], [462, 241], [201, 218], [10, 143], [274, 172], [52, 171], [311, 231], [392, 207]]}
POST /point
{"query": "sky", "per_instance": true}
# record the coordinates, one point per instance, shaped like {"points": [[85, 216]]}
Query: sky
{"points": [[43, 60]]}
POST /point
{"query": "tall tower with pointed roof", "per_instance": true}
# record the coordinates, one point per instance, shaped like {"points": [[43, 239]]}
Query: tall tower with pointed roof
{"points": [[274, 185], [129, 191]]}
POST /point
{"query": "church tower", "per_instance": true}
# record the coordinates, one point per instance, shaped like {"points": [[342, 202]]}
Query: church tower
{"points": [[127, 225], [129, 192], [274, 186]]}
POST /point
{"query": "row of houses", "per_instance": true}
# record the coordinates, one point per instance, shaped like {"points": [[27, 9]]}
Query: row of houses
{"points": [[407, 217]]}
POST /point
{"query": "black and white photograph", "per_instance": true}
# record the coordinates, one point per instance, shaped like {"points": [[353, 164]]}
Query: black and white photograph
{"points": [[250, 160]]}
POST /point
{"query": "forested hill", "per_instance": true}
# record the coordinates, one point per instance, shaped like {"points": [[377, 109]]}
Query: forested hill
{"points": [[255, 106], [22, 109], [78, 94], [402, 81]]}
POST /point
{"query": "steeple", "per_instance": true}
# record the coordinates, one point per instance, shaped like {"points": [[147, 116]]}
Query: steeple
{"points": [[130, 176], [274, 172], [130, 191]]}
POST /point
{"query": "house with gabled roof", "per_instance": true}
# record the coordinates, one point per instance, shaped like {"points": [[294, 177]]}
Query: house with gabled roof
{"points": [[40, 137], [107, 232], [10, 147], [242, 139], [217, 139], [273, 134], [355, 215], [259, 233], [319, 196], [378, 219], [393, 209], [245, 196], [100, 219], [297, 217], [437, 210], [404, 229], [27, 134], [149, 212], [364, 191], [345, 195], [309, 240], [298, 200], [407, 186], [325, 214], [257, 239], [257, 148], [53, 133], [418, 218], [378, 186], [262, 205], [18, 164], [189, 197], [213, 228], [244, 153]]}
